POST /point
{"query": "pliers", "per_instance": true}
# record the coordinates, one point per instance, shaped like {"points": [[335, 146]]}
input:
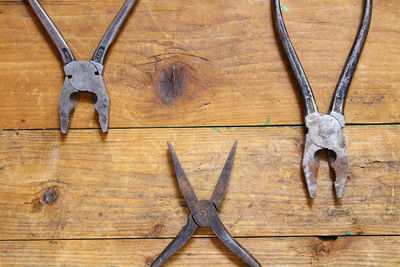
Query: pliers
{"points": [[204, 213], [83, 76], [325, 131]]}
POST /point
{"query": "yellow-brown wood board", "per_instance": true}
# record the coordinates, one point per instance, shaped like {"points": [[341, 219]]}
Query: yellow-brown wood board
{"points": [[200, 74]]}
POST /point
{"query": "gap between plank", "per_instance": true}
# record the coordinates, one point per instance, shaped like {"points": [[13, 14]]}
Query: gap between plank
{"points": [[199, 237], [197, 127]]}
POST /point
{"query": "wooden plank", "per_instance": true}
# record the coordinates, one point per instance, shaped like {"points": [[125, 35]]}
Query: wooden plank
{"points": [[345, 251], [123, 184], [222, 55]]}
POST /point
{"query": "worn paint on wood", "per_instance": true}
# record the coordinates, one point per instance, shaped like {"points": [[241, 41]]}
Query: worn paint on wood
{"points": [[185, 63]]}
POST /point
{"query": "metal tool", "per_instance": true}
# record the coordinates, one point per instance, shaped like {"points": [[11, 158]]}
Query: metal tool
{"points": [[83, 76], [325, 131], [204, 213]]}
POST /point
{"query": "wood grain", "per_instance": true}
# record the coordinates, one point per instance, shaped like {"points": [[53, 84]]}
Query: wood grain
{"points": [[88, 199], [202, 63], [345, 251], [123, 185]]}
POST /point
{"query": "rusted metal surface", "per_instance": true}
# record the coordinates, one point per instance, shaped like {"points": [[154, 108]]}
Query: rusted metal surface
{"points": [[83, 76], [204, 213], [325, 132]]}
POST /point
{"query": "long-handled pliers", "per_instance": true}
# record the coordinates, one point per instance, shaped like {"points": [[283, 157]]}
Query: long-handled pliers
{"points": [[325, 131], [204, 213], [83, 76]]}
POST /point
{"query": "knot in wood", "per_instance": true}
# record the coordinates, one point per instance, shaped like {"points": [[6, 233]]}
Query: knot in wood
{"points": [[50, 196], [172, 82]]}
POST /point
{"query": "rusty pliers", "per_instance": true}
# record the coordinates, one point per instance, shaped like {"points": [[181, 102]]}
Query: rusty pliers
{"points": [[204, 213], [325, 131], [83, 76]]}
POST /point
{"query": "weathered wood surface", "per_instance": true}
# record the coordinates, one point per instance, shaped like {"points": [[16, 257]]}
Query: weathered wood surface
{"points": [[345, 251], [191, 63], [123, 185], [196, 63]]}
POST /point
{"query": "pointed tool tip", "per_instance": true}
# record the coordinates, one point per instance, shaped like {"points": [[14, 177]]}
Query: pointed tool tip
{"points": [[103, 120], [104, 129], [171, 148], [170, 145], [339, 188], [64, 129], [233, 150], [64, 125], [312, 190]]}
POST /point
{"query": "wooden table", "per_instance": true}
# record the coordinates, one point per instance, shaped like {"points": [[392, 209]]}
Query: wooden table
{"points": [[200, 74]]}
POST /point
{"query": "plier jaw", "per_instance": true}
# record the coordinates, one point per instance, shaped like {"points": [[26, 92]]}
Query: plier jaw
{"points": [[325, 132], [83, 76]]}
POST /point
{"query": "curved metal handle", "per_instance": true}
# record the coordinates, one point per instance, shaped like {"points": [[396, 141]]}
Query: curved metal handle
{"points": [[112, 32], [223, 234], [343, 85], [178, 242], [310, 106], [54, 33]]}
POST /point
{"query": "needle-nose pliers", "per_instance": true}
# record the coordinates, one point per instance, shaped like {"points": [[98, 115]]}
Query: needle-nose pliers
{"points": [[204, 213]]}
